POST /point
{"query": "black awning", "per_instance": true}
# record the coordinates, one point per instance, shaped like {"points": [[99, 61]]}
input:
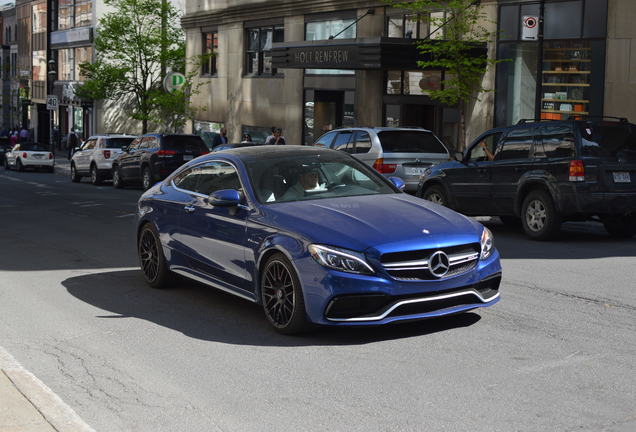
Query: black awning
{"points": [[355, 54]]}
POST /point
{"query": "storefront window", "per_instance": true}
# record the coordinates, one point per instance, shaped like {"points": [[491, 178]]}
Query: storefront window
{"points": [[324, 30], [258, 134], [39, 17], [39, 65], [394, 82], [325, 110], [516, 82], [258, 56], [413, 83]]}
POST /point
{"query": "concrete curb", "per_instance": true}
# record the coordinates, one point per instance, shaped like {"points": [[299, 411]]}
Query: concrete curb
{"points": [[42, 402]]}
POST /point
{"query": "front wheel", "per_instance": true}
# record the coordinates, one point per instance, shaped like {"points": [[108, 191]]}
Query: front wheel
{"points": [[96, 178], [620, 225], [118, 182], [20, 166], [539, 217], [282, 296], [436, 194], [152, 260], [75, 177]]}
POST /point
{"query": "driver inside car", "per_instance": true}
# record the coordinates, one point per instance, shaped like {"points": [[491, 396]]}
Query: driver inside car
{"points": [[306, 181]]}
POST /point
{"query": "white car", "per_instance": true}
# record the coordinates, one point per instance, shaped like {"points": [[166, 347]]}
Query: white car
{"points": [[95, 158], [29, 155]]}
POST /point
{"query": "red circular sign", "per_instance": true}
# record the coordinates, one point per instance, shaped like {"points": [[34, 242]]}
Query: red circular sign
{"points": [[530, 22]]}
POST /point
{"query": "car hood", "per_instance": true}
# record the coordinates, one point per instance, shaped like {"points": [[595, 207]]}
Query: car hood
{"points": [[380, 223]]}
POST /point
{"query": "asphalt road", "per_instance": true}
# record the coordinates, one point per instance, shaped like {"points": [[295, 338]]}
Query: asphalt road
{"points": [[558, 353]]}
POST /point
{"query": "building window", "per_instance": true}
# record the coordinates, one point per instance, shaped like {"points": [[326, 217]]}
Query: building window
{"points": [[257, 134], [406, 26], [258, 56], [69, 60], [39, 65], [82, 55], [325, 30], [39, 17], [210, 48], [74, 13], [414, 83]]}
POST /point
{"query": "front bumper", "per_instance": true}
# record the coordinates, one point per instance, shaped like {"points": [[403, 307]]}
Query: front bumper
{"points": [[335, 298]]}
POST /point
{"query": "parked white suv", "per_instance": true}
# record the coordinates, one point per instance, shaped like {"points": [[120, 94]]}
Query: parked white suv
{"points": [[95, 158]]}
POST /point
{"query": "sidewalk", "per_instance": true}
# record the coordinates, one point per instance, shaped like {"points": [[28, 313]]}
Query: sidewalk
{"points": [[62, 164], [27, 405]]}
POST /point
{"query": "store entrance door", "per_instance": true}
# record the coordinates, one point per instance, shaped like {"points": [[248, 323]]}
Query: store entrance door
{"points": [[419, 116], [328, 110]]}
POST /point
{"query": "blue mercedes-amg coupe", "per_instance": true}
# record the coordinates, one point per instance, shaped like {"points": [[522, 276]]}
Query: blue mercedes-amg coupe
{"points": [[314, 236]]}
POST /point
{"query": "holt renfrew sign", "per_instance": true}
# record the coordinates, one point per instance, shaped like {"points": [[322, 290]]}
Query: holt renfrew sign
{"points": [[323, 56]]}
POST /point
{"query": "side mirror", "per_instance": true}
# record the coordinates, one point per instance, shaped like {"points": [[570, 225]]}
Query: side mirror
{"points": [[225, 198], [76, 149], [397, 182]]}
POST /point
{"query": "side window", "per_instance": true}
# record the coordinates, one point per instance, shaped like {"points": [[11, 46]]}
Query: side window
{"points": [[146, 143], [362, 142], [516, 145], [325, 140], [217, 176], [343, 142], [556, 142], [188, 179], [135, 144], [485, 148], [89, 145]]}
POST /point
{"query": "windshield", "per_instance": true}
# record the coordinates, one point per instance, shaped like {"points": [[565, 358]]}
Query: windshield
{"points": [[608, 139], [314, 176], [410, 142], [118, 142], [187, 143]]}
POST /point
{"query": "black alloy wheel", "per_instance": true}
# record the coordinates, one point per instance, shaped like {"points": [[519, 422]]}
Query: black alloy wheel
{"points": [[152, 260], [20, 166], [118, 182], [539, 217], [436, 194], [75, 177], [146, 178], [620, 225], [282, 297], [96, 178]]}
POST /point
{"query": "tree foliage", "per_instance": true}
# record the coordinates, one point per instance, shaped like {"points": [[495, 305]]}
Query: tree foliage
{"points": [[131, 47], [464, 32]]}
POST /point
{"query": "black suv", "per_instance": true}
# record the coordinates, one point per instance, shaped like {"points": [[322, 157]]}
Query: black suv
{"points": [[152, 157], [544, 173]]}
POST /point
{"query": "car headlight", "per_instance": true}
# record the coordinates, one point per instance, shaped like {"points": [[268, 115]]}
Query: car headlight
{"points": [[487, 243], [340, 259]]}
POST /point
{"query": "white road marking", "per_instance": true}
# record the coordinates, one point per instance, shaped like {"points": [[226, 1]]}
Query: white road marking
{"points": [[11, 178], [53, 409], [91, 205]]}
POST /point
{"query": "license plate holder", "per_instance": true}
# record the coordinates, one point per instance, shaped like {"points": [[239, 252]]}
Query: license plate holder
{"points": [[621, 177], [188, 157], [414, 171]]}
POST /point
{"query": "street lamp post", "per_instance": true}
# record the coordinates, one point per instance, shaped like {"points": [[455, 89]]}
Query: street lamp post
{"points": [[52, 74]]}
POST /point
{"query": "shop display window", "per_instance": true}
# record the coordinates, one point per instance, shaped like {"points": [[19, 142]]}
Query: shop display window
{"points": [[566, 79]]}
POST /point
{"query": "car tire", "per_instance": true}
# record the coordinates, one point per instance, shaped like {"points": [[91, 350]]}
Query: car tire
{"points": [[510, 221], [118, 182], [146, 178], [282, 296], [75, 177], [152, 260], [436, 194], [95, 176], [6, 165], [19, 165], [539, 217], [620, 225]]}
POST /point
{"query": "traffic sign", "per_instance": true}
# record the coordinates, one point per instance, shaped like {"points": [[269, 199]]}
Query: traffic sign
{"points": [[174, 81], [51, 102], [530, 27]]}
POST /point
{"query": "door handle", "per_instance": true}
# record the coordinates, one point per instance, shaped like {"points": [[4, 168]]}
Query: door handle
{"points": [[188, 209]]}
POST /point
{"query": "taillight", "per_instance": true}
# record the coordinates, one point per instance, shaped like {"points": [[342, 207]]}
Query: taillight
{"points": [[24, 155], [204, 152], [577, 170], [166, 153], [106, 154], [383, 168], [50, 155]]}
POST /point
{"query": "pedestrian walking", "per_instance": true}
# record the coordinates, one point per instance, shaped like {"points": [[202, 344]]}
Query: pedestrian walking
{"points": [[24, 134], [276, 138], [71, 142], [221, 138]]}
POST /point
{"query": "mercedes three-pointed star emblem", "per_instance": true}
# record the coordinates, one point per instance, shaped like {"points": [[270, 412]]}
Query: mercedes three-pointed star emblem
{"points": [[439, 264]]}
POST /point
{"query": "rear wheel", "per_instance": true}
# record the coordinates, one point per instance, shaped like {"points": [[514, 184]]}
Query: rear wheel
{"points": [[146, 178], [282, 296], [75, 177], [539, 217], [118, 182], [436, 194], [620, 225], [19, 165], [6, 164], [96, 177], [152, 260]]}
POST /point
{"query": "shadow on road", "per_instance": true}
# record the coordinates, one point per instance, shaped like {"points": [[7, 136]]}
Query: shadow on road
{"points": [[204, 313]]}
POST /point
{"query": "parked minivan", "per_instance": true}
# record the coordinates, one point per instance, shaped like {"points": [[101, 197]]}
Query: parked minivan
{"points": [[152, 157], [393, 152]]}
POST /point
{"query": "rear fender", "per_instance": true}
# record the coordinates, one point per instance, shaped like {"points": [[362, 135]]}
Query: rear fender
{"points": [[538, 179]]}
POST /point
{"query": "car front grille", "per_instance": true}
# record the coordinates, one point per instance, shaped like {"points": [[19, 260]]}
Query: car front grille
{"points": [[414, 265]]}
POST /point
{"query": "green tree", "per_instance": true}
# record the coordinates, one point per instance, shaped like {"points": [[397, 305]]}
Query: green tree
{"points": [[130, 49], [462, 25]]}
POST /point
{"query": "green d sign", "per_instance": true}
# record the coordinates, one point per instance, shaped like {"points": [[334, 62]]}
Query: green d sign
{"points": [[173, 81]]}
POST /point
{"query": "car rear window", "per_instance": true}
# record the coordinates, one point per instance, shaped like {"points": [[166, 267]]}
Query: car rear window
{"points": [[118, 142], [410, 142], [608, 139], [33, 147], [185, 143]]}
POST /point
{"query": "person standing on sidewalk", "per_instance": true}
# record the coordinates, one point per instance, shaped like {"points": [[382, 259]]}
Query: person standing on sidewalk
{"points": [[276, 138], [24, 134]]}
